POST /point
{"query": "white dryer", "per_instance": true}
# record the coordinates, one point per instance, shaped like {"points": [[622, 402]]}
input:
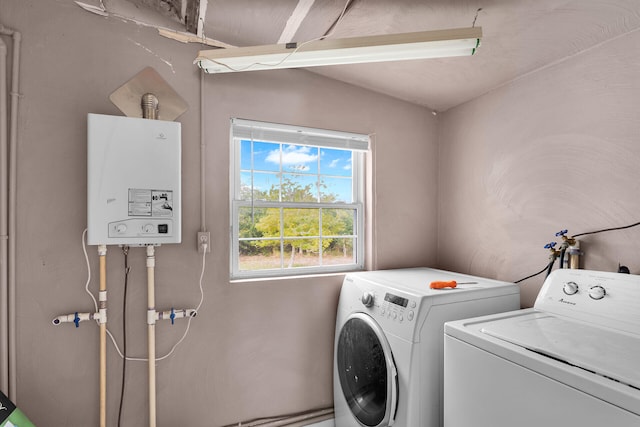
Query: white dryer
{"points": [[389, 342], [571, 360]]}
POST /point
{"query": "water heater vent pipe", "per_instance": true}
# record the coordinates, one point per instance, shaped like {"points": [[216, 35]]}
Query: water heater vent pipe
{"points": [[149, 106]]}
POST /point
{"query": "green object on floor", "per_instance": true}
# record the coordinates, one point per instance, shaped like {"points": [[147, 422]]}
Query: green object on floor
{"points": [[10, 416]]}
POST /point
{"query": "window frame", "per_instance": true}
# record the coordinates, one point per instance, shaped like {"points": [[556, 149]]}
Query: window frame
{"points": [[358, 144]]}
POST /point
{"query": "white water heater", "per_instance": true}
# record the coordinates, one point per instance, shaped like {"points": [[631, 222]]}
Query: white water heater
{"points": [[133, 185]]}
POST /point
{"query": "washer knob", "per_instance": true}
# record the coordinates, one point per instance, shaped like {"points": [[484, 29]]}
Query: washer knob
{"points": [[121, 228], [367, 299], [597, 292], [570, 288]]}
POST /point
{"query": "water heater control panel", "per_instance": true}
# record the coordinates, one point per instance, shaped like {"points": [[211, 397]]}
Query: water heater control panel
{"points": [[134, 181]]}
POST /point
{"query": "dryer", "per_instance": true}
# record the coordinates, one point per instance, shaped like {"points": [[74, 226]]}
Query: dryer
{"points": [[571, 360], [388, 353]]}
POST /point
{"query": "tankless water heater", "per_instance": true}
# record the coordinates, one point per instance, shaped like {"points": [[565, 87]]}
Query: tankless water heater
{"points": [[133, 185]]}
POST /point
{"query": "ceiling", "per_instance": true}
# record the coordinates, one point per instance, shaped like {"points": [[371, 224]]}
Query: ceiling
{"points": [[519, 36]]}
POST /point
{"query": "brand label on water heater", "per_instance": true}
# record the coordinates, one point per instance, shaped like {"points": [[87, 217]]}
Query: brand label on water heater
{"points": [[145, 202]]}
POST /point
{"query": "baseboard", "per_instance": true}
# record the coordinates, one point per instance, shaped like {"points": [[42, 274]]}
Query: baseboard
{"points": [[325, 423]]}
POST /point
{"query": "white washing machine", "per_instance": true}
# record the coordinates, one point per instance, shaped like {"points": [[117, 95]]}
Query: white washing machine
{"points": [[571, 360], [389, 342]]}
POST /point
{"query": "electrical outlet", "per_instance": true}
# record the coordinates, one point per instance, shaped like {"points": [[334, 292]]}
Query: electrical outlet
{"points": [[204, 237]]}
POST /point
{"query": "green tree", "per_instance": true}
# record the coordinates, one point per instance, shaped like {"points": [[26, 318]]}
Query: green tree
{"points": [[248, 217], [300, 222]]}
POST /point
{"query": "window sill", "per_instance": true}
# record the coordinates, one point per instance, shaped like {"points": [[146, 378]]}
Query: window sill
{"points": [[291, 277]]}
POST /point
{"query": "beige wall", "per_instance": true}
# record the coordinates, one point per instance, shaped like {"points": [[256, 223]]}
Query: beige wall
{"points": [[256, 349], [557, 149]]}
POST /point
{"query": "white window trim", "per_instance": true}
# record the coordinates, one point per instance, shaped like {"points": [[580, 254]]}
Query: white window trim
{"points": [[241, 129]]}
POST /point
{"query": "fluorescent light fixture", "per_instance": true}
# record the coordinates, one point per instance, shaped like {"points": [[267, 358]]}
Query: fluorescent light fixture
{"points": [[355, 50]]}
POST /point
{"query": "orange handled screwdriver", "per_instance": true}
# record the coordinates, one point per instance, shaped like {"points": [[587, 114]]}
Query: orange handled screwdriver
{"points": [[449, 284]]}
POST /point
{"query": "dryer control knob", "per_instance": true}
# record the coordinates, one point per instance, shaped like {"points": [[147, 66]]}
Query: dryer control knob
{"points": [[597, 292], [367, 299], [570, 288]]}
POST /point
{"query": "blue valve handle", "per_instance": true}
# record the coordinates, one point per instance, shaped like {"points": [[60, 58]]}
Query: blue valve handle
{"points": [[172, 316], [550, 245], [76, 320], [561, 233]]}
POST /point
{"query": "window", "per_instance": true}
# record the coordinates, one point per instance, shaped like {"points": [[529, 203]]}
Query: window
{"points": [[297, 200]]}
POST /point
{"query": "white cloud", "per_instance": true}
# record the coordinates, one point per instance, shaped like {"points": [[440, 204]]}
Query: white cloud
{"points": [[293, 155]]}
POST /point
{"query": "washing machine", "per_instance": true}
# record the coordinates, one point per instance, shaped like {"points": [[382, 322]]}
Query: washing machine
{"points": [[388, 353], [571, 360]]}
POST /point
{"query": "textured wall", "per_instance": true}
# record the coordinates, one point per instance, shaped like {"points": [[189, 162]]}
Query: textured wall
{"points": [[558, 149], [257, 348]]}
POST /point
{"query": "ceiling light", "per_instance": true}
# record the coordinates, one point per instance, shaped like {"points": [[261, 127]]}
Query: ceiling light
{"points": [[355, 50]]}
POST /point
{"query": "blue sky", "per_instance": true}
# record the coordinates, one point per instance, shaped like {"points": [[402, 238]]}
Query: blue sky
{"points": [[300, 163]]}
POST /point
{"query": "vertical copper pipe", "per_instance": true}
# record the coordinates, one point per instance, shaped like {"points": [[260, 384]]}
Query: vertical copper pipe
{"points": [[149, 105], [102, 251], [4, 213], [151, 333], [13, 162]]}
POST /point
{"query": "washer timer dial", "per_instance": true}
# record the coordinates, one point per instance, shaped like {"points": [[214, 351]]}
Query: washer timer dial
{"points": [[597, 292], [367, 299], [570, 288]]}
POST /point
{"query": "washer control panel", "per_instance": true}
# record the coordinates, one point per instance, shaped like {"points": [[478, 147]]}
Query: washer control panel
{"points": [[389, 306], [605, 298], [398, 308]]}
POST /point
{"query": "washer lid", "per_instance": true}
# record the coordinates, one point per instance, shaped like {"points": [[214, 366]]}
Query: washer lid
{"points": [[605, 352]]}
